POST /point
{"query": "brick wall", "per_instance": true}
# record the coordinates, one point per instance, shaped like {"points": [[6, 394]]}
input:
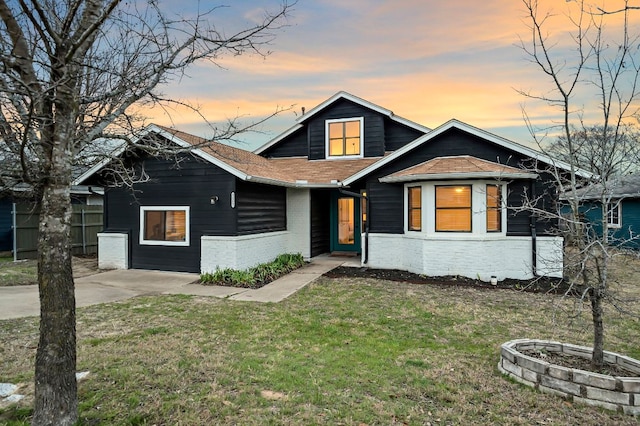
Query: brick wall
{"points": [[469, 256]]}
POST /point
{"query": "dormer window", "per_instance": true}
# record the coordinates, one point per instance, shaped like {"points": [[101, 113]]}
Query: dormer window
{"points": [[345, 137]]}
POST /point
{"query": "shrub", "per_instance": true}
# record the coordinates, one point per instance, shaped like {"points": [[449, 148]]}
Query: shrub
{"points": [[256, 276]]}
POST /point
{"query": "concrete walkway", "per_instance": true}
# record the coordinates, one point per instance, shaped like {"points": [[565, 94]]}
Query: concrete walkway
{"points": [[111, 286]]}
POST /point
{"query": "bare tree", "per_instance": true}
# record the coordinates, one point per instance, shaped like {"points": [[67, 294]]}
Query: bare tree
{"points": [[617, 155], [593, 72], [75, 71]]}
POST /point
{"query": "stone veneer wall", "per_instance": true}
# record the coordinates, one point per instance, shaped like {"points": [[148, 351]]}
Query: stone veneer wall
{"points": [[620, 394]]}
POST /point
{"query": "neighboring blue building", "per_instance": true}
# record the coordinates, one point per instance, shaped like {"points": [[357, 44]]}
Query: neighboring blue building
{"points": [[623, 209]]}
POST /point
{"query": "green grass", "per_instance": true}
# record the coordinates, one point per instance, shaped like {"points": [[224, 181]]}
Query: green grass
{"points": [[341, 351], [22, 272]]}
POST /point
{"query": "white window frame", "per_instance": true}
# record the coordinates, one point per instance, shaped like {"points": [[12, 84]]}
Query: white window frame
{"points": [[617, 204], [326, 138], [478, 209], [184, 243]]}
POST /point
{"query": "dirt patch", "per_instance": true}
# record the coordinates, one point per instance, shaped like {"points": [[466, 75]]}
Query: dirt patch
{"points": [[538, 285], [25, 272], [84, 266]]}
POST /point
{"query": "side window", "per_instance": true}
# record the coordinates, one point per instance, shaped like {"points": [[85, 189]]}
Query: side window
{"points": [[453, 208], [344, 138], [415, 208], [614, 218], [494, 208], [164, 226]]}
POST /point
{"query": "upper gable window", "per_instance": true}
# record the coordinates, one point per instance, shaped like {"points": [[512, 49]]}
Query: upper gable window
{"points": [[345, 137]]}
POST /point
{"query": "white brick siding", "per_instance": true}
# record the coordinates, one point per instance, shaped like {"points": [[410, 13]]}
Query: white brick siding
{"points": [[473, 257], [241, 252], [299, 221], [113, 251]]}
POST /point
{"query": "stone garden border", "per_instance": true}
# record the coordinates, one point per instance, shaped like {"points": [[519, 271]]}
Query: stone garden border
{"points": [[621, 394]]}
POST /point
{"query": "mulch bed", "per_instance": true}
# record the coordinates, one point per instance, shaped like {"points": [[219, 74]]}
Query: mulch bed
{"points": [[537, 285], [578, 363]]}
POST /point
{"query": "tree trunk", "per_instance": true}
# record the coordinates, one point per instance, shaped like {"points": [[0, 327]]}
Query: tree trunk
{"points": [[56, 400], [597, 359]]}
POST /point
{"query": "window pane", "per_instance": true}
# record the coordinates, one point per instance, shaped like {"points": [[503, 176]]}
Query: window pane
{"points": [[453, 208], [453, 196], [335, 130], [154, 225], [415, 220], [176, 226], [458, 220], [352, 129], [344, 138], [415, 200], [346, 231], [415, 208], [494, 220], [352, 146], [613, 214], [335, 147], [494, 208], [161, 225]]}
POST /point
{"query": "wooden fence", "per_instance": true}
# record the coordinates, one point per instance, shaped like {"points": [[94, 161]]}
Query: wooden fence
{"points": [[86, 222]]}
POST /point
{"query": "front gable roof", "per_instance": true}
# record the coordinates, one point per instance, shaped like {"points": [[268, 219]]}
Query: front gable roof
{"points": [[458, 167], [326, 104], [456, 124]]}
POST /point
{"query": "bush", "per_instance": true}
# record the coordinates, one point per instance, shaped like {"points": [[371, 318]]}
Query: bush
{"points": [[256, 276]]}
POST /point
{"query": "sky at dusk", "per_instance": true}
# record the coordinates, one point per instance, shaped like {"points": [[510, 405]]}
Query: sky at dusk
{"points": [[426, 60]]}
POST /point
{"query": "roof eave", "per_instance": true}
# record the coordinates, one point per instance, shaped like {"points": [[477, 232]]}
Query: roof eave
{"points": [[291, 184], [456, 176]]}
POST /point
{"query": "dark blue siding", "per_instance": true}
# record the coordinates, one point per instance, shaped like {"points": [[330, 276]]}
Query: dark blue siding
{"points": [[398, 135], [295, 145], [6, 221], [260, 208], [192, 184], [373, 128]]}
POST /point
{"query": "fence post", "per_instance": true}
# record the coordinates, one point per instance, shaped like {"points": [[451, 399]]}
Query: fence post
{"points": [[84, 232], [14, 229]]}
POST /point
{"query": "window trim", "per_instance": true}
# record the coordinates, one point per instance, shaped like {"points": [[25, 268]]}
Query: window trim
{"points": [[411, 209], [498, 209], [143, 241], [470, 208], [327, 141], [611, 205]]}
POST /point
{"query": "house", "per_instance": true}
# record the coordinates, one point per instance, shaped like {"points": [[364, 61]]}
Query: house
{"points": [[622, 198], [348, 177]]}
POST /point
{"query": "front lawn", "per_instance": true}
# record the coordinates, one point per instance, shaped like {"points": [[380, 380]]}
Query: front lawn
{"points": [[22, 272], [351, 351]]}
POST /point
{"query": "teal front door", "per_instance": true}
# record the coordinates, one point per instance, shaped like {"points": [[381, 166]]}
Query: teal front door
{"points": [[345, 223]]}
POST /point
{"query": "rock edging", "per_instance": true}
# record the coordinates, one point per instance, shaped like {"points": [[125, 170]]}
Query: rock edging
{"points": [[621, 394]]}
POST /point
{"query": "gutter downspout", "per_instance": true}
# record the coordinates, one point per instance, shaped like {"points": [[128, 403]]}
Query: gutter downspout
{"points": [[366, 226], [532, 225]]}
